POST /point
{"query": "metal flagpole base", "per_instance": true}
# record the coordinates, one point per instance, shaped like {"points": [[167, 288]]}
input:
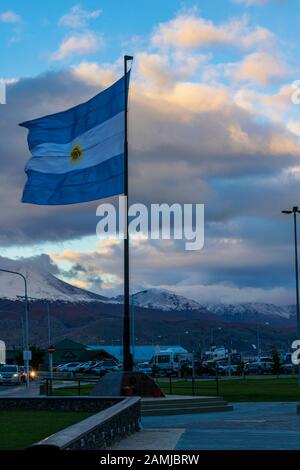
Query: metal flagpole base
{"points": [[118, 383]]}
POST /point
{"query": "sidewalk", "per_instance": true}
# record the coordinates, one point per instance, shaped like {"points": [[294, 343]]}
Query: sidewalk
{"points": [[150, 439], [21, 390]]}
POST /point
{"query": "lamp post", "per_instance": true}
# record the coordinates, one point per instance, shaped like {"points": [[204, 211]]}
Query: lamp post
{"points": [[212, 336], [50, 347], [294, 212], [26, 351], [132, 332]]}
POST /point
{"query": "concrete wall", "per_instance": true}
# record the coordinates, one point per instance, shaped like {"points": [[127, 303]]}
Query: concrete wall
{"points": [[51, 403]]}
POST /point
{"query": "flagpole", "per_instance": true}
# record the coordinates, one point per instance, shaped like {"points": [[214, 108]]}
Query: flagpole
{"points": [[127, 357]]}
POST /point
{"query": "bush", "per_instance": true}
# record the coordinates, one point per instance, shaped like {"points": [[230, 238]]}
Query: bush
{"points": [[276, 369]]}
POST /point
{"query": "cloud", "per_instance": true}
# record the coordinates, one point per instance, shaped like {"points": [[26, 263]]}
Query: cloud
{"points": [[221, 141], [275, 106], [225, 270], [93, 270], [188, 134], [78, 18], [161, 71], [10, 17], [261, 68], [43, 263], [94, 74], [192, 31], [79, 44], [255, 2]]}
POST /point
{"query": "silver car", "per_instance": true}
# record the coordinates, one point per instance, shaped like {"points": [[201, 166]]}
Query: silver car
{"points": [[10, 375]]}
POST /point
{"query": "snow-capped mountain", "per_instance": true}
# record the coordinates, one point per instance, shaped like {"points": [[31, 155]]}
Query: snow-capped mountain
{"points": [[41, 283], [162, 299], [248, 311]]}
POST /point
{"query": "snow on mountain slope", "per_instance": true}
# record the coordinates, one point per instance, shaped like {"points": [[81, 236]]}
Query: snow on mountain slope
{"points": [[41, 283], [162, 299], [251, 309]]}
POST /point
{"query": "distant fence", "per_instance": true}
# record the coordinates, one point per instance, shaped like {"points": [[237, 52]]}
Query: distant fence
{"points": [[189, 386], [169, 385], [54, 386]]}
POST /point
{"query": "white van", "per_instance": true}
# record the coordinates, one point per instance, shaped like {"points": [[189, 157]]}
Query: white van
{"points": [[168, 361]]}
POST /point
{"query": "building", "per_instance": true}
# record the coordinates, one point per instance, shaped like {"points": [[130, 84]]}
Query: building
{"points": [[68, 350]]}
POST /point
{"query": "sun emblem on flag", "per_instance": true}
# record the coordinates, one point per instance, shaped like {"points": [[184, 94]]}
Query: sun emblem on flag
{"points": [[76, 154]]}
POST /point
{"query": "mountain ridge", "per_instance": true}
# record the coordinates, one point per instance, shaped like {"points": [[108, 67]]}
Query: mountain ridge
{"points": [[44, 285]]}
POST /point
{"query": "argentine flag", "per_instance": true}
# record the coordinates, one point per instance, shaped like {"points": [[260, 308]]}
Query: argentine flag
{"points": [[78, 154]]}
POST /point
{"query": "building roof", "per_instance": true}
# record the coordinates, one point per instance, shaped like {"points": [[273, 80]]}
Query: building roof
{"points": [[68, 350], [141, 353], [69, 344]]}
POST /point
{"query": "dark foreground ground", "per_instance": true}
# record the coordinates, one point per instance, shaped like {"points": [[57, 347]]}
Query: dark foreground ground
{"points": [[20, 429]]}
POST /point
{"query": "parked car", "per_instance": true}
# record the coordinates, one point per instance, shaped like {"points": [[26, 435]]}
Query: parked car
{"points": [[77, 368], [259, 368], [84, 366], [62, 367], [110, 365], [206, 368], [288, 368], [231, 370], [98, 370], [10, 374], [105, 366], [90, 369], [144, 367], [265, 359], [70, 367]]}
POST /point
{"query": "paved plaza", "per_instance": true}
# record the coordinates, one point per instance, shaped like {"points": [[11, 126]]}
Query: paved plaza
{"points": [[250, 426]]}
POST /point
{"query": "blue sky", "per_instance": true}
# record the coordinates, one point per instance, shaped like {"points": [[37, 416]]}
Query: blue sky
{"points": [[210, 115], [28, 42]]}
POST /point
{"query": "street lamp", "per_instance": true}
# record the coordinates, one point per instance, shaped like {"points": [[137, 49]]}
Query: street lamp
{"points": [[212, 338], [294, 212], [50, 355], [26, 352], [259, 337]]}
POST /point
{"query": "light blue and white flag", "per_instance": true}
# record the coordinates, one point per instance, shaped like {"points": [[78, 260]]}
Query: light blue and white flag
{"points": [[78, 154]]}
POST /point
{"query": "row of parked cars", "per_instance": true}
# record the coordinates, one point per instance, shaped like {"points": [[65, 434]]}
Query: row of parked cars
{"points": [[11, 374], [89, 367], [263, 365]]}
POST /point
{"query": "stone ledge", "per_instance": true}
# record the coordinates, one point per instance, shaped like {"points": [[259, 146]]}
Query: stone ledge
{"points": [[98, 431], [50, 403]]}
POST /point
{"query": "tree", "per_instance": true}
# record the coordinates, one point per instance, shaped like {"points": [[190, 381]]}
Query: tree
{"points": [[276, 368], [241, 369], [37, 356], [184, 369], [155, 370]]}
